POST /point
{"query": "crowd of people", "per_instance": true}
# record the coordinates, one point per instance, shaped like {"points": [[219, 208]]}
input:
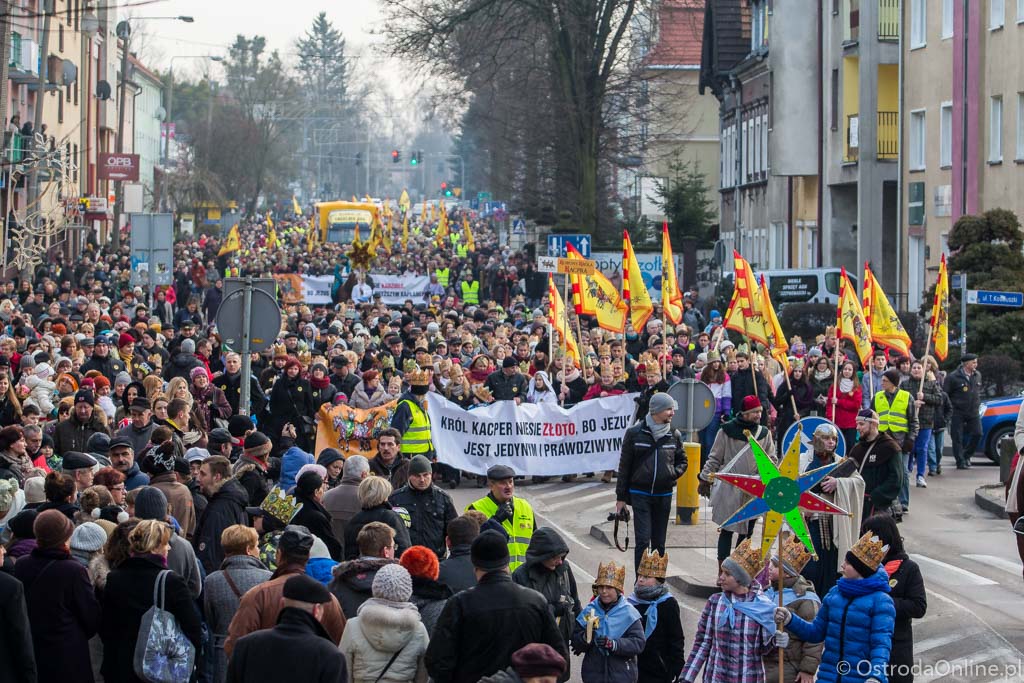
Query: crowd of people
{"points": [[132, 477]]}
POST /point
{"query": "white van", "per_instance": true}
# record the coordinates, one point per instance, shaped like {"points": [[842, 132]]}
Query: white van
{"points": [[814, 286]]}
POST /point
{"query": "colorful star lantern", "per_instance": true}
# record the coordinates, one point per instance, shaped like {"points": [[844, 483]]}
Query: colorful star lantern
{"points": [[361, 254], [781, 493]]}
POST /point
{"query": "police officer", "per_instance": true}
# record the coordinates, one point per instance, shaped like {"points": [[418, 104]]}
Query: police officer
{"points": [[507, 384], [964, 388], [425, 508], [513, 514]]}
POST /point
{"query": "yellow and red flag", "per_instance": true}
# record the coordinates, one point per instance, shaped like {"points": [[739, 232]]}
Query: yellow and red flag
{"points": [[595, 295], [403, 202], [671, 297], [633, 288], [746, 313], [232, 243], [470, 240], [940, 313], [560, 321], [885, 326], [777, 345], [405, 232], [295, 206], [850, 322]]}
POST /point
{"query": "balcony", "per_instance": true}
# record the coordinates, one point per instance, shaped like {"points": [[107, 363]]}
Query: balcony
{"points": [[888, 143], [23, 59], [13, 149], [888, 19]]}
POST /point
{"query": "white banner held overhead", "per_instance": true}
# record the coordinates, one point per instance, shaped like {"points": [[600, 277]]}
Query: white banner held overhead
{"points": [[316, 289], [534, 440], [395, 289]]}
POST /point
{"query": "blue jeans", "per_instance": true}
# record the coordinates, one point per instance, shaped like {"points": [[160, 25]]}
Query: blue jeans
{"points": [[921, 444], [935, 450]]}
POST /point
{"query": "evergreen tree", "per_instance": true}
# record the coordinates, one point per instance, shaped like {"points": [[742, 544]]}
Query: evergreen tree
{"points": [[683, 196]]}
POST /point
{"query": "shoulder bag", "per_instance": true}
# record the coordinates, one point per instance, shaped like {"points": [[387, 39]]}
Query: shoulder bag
{"points": [[163, 654]]}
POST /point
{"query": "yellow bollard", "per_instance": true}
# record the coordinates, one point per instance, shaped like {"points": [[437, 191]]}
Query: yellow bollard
{"points": [[687, 500]]}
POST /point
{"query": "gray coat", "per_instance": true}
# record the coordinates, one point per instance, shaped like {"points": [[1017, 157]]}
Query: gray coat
{"points": [[220, 602], [725, 498], [182, 559]]}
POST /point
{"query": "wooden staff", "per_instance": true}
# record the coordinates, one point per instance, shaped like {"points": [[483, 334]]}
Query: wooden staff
{"points": [[835, 376], [565, 331], [667, 353], [782, 651], [924, 362]]}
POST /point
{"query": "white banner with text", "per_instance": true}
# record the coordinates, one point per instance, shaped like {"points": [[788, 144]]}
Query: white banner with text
{"points": [[534, 440], [395, 289]]}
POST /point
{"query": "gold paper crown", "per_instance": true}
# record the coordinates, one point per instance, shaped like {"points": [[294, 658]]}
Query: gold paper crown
{"points": [[869, 550], [647, 358], [713, 356], [388, 362], [612, 575], [410, 365], [748, 558], [653, 564], [280, 350], [524, 367], [830, 331], [794, 555], [305, 357], [280, 505], [483, 393], [417, 377], [604, 350]]}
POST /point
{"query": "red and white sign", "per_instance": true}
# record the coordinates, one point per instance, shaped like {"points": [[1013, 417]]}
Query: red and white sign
{"points": [[118, 167]]}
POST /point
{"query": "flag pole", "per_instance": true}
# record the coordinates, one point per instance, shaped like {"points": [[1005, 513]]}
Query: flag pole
{"points": [[565, 328], [782, 651], [924, 362]]}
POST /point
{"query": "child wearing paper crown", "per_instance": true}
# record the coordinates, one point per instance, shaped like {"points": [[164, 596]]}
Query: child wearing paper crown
{"points": [[856, 619], [609, 632], [735, 630], [800, 659], [665, 650]]}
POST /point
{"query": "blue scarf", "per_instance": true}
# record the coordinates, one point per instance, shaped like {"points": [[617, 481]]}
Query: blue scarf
{"points": [[759, 608], [789, 596], [611, 623], [652, 609], [854, 588]]}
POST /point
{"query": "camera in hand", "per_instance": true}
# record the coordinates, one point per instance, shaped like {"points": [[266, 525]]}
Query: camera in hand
{"points": [[622, 515]]}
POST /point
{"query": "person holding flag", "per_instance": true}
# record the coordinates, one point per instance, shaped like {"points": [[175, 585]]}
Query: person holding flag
{"points": [[633, 288]]}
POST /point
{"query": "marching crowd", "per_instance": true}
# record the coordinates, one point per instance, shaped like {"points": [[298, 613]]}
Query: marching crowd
{"points": [[153, 528]]}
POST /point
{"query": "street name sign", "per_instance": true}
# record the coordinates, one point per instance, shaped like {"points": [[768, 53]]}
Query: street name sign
{"points": [[989, 298]]}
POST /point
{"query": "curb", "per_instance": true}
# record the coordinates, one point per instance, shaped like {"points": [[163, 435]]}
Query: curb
{"points": [[684, 582], [692, 586], [983, 500]]}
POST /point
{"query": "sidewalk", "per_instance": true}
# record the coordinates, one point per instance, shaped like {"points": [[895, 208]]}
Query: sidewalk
{"points": [[991, 498], [692, 551]]}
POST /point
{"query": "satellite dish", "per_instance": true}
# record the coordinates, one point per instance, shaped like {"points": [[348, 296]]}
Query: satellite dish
{"points": [[160, 114], [123, 30], [69, 72], [103, 90]]}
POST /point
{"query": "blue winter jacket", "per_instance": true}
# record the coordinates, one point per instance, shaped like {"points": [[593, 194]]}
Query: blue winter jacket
{"points": [[857, 630], [291, 462]]}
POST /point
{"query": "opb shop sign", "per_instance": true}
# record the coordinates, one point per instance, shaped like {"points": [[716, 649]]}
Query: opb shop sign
{"points": [[118, 167], [610, 263]]}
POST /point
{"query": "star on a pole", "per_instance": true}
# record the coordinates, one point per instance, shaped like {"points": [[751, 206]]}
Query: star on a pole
{"points": [[780, 493]]}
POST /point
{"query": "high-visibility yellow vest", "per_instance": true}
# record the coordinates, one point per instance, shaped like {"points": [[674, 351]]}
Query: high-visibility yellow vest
{"points": [[416, 440], [471, 293], [462, 249], [892, 417], [442, 276], [519, 528]]}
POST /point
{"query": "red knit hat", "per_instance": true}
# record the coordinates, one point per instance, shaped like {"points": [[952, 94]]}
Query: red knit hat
{"points": [[125, 340], [750, 403], [421, 561], [100, 382]]}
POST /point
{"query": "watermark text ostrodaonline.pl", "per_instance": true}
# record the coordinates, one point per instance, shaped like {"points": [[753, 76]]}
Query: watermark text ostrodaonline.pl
{"points": [[940, 668]]}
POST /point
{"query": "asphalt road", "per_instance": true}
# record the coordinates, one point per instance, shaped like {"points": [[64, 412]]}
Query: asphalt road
{"points": [[974, 627]]}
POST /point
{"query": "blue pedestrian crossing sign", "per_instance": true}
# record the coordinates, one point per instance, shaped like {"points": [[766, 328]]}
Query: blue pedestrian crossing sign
{"points": [[519, 226], [806, 427], [557, 245]]}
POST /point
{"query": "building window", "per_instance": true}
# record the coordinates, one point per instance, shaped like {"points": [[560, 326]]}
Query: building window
{"points": [[1020, 11], [758, 25], [834, 114], [946, 135], [996, 14], [947, 18], [60, 110], [1020, 127], [60, 37], [764, 145], [917, 140], [995, 128], [918, 23]]}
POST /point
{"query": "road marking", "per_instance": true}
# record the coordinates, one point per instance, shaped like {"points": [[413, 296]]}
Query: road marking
{"points": [[938, 641], [969, 577], [961, 665], [992, 631], [565, 534], [998, 562], [576, 501], [580, 571], [581, 487]]}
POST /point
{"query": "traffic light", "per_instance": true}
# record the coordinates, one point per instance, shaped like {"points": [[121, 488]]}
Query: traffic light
{"points": [[396, 156], [447, 189], [444, 188], [415, 159]]}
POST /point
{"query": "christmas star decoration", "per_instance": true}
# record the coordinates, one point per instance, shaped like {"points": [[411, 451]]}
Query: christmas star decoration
{"points": [[361, 254], [780, 492]]}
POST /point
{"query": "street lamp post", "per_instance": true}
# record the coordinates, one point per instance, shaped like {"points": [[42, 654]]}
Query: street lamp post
{"points": [[124, 32], [170, 95]]}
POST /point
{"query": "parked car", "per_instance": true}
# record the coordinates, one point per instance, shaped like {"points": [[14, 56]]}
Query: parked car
{"points": [[998, 419]]}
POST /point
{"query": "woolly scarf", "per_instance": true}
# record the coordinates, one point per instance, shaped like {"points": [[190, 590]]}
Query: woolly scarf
{"points": [[658, 430], [126, 353], [853, 588], [734, 429], [845, 385], [651, 596], [320, 383], [821, 376]]}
